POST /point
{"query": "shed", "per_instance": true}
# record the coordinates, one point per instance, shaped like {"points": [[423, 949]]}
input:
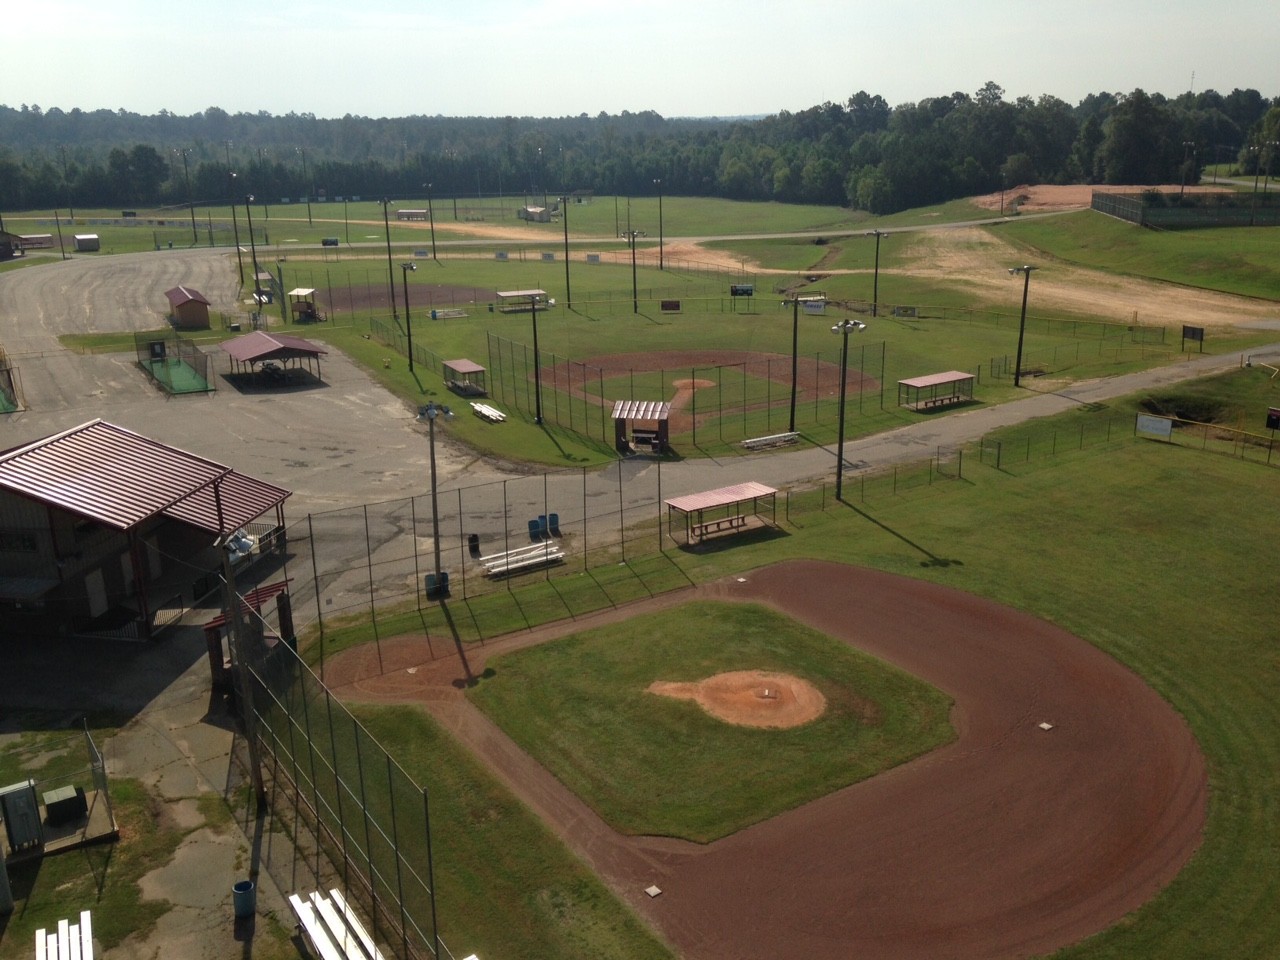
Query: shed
{"points": [[87, 242], [649, 424], [286, 352], [465, 377], [936, 390], [10, 245], [188, 308], [721, 510]]}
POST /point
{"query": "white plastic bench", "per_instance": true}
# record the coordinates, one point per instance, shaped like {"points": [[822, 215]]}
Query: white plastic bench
{"points": [[514, 564], [332, 928], [517, 553], [71, 941], [774, 440]]}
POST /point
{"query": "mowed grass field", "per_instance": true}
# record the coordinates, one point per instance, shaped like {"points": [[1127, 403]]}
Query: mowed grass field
{"points": [[1161, 555]]}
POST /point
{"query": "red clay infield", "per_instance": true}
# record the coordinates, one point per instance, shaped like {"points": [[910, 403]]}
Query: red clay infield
{"points": [[1010, 842]]}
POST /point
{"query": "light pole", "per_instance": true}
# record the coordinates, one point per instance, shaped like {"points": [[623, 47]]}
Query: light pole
{"points": [[253, 249], [658, 184], [537, 362], [405, 270], [431, 217], [630, 237], [795, 356], [844, 328], [1022, 324], [306, 185], [391, 270], [186, 176], [1187, 147], [235, 226], [564, 218], [437, 586], [875, 283]]}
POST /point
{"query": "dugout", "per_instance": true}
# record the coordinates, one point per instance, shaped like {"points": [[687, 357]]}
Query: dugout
{"points": [[936, 390], [465, 377], [641, 423], [724, 510], [522, 301]]}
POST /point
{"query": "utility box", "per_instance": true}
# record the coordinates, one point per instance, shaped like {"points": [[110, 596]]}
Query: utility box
{"points": [[65, 805], [21, 814]]}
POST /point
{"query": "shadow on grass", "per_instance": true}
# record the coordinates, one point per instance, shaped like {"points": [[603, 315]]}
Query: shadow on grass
{"points": [[931, 559]]}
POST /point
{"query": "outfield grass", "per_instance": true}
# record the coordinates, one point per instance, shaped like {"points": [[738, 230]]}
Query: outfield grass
{"points": [[1239, 260], [1160, 555], [658, 766]]}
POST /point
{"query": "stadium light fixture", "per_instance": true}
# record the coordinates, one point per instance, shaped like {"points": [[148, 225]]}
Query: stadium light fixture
{"points": [[406, 269], [844, 328]]}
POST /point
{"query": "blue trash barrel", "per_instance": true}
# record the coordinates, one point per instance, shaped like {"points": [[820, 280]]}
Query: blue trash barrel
{"points": [[244, 898]]}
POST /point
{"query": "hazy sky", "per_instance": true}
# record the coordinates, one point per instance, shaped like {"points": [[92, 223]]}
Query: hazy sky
{"points": [[565, 57]]}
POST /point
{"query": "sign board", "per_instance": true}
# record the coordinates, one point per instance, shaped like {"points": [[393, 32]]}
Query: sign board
{"points": [[814, 306], [742, 289], [1273, 418], [1193, 333], [904, 311], [1154, 426], [548, 256], [593, 258], [670, 306], [500, 255]]}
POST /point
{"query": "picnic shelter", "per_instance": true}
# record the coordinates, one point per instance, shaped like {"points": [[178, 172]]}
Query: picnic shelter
{"points": [[722, 510], [936, 390]]}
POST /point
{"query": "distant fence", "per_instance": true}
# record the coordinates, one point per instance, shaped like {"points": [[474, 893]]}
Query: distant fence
{"points": [[1171, 211]]}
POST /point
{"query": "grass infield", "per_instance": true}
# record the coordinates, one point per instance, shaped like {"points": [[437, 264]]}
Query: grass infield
{"points": [[654, 765]]}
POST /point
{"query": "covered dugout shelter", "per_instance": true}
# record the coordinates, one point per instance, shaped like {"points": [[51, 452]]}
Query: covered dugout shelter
{"points": [[936, 390], [642, 423], [465, 377], [721, 511], [255, 352]]}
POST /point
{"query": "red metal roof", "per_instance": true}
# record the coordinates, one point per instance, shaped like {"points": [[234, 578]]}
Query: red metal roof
{"points": [[180, 295], [722, 497], [121, 478], [260, 345], [462, 366]]}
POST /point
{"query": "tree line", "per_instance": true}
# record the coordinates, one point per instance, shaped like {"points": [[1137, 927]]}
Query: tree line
{"points": [[862, 153]]}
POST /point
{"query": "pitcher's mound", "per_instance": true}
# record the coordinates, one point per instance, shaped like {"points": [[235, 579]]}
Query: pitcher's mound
{"points": [[751, 698]]}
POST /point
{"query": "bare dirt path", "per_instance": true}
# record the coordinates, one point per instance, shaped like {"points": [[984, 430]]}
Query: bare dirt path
{"points": [[1012, 841]]}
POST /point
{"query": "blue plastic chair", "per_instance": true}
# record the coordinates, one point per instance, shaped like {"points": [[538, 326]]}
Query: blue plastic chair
{"points": [[553, 523]]}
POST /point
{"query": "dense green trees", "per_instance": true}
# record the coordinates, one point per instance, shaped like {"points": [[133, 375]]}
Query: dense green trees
{"points": [[861, 152]]}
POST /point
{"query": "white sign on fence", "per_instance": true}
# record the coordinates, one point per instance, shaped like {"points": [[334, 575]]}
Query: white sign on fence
{"points": [[1154, 426]]}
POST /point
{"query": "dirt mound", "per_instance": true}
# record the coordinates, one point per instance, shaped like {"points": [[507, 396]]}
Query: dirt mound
{"points": [[751, 698]]}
